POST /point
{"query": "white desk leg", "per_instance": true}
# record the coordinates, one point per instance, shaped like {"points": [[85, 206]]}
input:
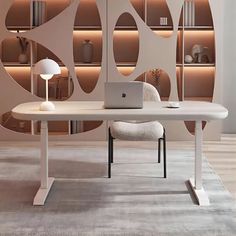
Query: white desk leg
{"points": [[46, 182], [196, 182]]}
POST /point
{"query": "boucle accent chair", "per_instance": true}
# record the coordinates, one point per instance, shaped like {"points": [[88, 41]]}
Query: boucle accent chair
{"points": [[139, 131]]}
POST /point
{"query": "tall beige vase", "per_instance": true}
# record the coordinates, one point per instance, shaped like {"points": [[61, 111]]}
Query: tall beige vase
{"points": [[87, 51]]}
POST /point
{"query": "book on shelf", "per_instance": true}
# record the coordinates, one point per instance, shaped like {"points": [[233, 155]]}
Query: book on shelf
{"points": [[76, 126], [189, 13], [39, 12], [192, 13]]}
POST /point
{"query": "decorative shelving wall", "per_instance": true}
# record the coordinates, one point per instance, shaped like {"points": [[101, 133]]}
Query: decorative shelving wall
{"points": [[131, 41]]}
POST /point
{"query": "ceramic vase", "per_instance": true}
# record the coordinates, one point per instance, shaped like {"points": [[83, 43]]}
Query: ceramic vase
{"points": [[87, 51], [23, 58]]}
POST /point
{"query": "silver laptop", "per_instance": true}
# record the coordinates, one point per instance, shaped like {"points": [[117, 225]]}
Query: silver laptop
{"points": [[123, 95]]}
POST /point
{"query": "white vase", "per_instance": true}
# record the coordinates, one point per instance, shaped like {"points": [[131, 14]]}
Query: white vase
{"points": [[87, 51], [23, 58]]}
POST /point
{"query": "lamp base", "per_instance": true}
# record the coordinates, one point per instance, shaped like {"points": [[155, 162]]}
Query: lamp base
{"points": [[47, 106]]}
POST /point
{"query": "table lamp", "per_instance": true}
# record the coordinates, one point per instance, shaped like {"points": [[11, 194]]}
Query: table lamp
{"points": [[46, 68]]}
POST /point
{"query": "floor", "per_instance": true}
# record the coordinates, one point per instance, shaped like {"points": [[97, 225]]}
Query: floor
{"points": [[136, 201], [220, 154], [222, 157]]}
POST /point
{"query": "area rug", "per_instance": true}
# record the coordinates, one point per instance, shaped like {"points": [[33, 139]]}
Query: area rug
{"points": [[136, 201]]}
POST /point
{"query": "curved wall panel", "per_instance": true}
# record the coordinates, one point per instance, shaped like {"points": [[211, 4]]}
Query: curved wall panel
{"points": [[155, 50]]}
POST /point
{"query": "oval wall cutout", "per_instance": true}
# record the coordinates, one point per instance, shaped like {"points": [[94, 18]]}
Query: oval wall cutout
{"points": [[21, 126], [198, 86], [199, 76], [87, 45], [190, 125], [88, 77], [126, 22], [126, 44], [15, 21]]}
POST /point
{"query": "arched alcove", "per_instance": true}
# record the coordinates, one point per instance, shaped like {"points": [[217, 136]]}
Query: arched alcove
{"points": [[87, 45], [126, 44]]}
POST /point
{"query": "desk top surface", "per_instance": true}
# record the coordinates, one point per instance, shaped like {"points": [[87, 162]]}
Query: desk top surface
{"points": [[94, 110]]}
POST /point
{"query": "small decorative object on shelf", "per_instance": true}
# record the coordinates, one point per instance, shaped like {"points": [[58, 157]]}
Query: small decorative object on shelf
{"points": [[21, 126], [201, 54], [58, 89], [205, 56], [163, 21], [189, 13], [39, 12], [87, 51], [23, 58], [156, 73], [188, 59], [52, 89]]}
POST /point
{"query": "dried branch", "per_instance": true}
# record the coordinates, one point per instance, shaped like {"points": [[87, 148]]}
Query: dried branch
{"points": [[23, 44], [156, 73]]}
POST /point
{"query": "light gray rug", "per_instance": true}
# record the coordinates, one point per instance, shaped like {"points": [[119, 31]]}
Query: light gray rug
{"points": [[137, 201]]}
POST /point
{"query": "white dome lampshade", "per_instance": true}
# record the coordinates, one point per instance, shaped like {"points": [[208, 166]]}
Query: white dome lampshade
{"points": [[46, 68]]}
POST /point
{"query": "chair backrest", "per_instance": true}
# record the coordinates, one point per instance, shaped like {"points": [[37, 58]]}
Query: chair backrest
{"points": [[150, 93]]}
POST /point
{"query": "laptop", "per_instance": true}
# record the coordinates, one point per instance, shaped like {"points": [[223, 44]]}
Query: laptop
{"points": [[123, 95]]}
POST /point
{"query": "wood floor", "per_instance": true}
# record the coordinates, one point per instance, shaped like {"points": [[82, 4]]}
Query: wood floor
{"points": [[222, 157]]}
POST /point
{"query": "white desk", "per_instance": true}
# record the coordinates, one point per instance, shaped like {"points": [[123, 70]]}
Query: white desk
{"points": [[188, 111]]}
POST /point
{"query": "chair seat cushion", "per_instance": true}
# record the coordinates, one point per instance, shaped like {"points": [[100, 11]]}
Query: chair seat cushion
{"points": [[145, 131]]}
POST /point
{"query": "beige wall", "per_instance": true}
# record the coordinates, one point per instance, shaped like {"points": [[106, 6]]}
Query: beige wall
{"points": [[229, 59], [150, 51]]}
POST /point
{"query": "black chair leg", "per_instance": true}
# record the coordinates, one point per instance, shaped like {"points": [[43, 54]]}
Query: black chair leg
{"points": [[109, 154], [111, 145], [164, 154], [159, 150], [112, 149]]}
